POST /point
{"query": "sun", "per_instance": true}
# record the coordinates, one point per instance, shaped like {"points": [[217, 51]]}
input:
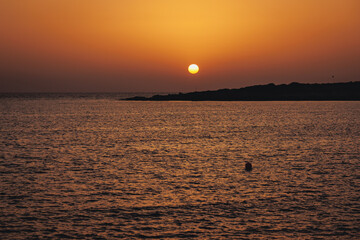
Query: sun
{"points": [[193, 68]]}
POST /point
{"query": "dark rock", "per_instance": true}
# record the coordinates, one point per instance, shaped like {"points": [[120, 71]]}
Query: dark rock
{"points": [[248, 166]]}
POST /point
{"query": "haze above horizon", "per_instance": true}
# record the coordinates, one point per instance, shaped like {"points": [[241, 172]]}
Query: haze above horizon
{"points": [[147, 46]]}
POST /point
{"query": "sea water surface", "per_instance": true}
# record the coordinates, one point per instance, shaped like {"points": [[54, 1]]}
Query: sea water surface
{"points": [[99, 168]]}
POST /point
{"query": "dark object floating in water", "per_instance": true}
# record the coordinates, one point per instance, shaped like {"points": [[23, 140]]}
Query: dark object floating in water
{"points": [[248, 166], [270, 92]]}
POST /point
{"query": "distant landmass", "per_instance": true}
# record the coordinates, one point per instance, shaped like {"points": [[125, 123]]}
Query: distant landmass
{"points": [[348, 91]]}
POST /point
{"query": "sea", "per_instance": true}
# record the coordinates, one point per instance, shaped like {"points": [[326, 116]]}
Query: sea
{"points": [[90, 166]]}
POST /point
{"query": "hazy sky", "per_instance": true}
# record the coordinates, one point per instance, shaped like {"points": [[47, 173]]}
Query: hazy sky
{"points": [[147, 45]]}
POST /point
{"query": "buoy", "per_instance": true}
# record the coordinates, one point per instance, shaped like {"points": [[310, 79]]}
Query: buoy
{"points": [[248, 166]]}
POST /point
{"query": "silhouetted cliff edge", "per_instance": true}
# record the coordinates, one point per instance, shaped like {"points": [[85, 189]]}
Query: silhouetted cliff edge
{"points": [[270, 92]]}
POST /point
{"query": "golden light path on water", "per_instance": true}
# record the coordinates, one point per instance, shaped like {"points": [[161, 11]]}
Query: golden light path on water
{"points": [[103, 168]]}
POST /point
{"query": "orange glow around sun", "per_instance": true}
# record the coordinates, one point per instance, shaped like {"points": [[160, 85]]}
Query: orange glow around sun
{"points": [[138, 40]]}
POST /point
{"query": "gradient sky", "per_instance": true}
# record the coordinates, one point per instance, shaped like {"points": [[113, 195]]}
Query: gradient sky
{"points": [[143, 45]]}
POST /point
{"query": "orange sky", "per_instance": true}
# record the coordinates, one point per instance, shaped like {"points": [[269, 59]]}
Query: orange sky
{"points": [[142, 45]]}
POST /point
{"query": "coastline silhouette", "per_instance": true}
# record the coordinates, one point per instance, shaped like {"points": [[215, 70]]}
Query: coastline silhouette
{"points": [[349, 91]]}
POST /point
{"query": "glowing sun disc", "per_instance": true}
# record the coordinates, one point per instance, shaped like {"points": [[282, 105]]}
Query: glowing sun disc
{"points": [[193, 68]]}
